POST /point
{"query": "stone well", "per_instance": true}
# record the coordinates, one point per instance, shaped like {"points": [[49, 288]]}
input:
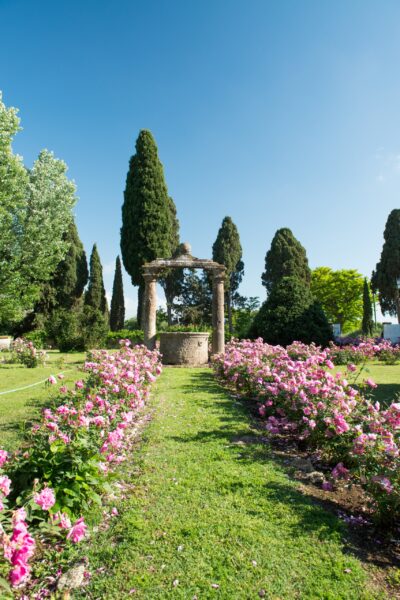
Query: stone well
{"points": [[184, 348]]}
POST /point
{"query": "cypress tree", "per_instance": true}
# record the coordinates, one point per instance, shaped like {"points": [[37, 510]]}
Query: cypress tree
{"points": [[384, 278], [172, 280], [227, 251], [147, 222], [71, 275], [285, 258], [117, 311], [96, 295], [367, 326]]}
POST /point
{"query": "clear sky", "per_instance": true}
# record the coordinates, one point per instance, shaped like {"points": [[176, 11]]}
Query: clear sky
{"points": [[277, 113]]}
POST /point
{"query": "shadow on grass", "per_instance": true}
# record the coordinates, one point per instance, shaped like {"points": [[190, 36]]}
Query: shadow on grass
{"points": [[312, 514]]}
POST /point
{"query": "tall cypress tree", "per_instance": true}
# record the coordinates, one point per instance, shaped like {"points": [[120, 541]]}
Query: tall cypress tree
{"points": [[227, 251], [72, 273], [147, 220], [172, 280], [96, 295], [384, 278], [367, 326], [285, 258], [117, 311]]}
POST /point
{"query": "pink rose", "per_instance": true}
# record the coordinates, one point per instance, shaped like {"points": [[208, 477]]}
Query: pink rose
{"points": [[45, 499], [77, 531]]}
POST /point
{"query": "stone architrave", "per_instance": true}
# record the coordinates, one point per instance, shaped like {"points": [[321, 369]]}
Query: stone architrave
{"points": [[151, 272]]}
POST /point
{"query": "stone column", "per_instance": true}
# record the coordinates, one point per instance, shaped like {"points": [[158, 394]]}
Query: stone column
{"points": [[218, 340], [149, 310]]}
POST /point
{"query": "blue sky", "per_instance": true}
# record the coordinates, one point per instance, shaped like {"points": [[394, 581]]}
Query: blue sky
{"points": [[278, 114]]}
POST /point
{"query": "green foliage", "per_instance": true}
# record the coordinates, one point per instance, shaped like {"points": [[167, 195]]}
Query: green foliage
{"points": [[117, 310], [96, 295], [340, 295], [290, 314], [172, 279], [194, 303], [148, 226], [64, 327], [72, 274], [35, 211], [387, 270], [113, 337], [94, 327], [367, 326], [243, 315], [131, 324], [227, 251], [37, 337], [285, 258]]}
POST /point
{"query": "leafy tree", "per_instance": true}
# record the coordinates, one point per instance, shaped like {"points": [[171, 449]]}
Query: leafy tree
{"points": [[117, 311], [96, 295], [194, 302], [285, 258], [227, 251], [367, 320], [148, 228], [290, 313], [340, 295], [384, 279], [35, 211]]}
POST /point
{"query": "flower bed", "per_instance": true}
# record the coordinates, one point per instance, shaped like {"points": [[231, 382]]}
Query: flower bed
{"points": [[65, 463], [358, 350], [298, 394]]}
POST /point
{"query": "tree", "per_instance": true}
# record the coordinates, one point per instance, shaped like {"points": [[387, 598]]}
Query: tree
{"points": [[367, 321], [96, 295], [290, 313], [13, 185], [35, 211], [117, 311], [384, 279], [285, 258], [172, 280], [227, 251], [72, 274], [194, 307], [340, 295], [147, 230]]}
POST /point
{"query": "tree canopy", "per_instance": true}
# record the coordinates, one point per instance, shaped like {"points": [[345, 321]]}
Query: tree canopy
{"points": [[95, 295], [227, 251], [285, 258], [340, 295], [367, 326], [35, 211], [117, 310], [148, 223], [384, 279]]}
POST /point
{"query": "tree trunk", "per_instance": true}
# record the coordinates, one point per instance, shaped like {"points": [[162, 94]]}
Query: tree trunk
{"points": [[140, 306], [229, 310], [170, 300]]}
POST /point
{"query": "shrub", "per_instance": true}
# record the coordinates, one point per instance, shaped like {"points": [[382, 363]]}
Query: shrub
{"points": [[298, 395], [114, 337], [37, 337], [24, 352]]}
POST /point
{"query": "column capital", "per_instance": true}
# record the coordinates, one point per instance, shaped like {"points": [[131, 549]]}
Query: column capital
{"points": [[219, 276], [150, 276]]}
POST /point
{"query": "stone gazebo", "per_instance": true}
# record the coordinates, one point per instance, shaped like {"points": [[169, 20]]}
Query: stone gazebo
{"points": [[153, 270]]}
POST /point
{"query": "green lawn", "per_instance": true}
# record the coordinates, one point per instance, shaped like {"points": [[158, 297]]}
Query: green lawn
{"points": [[212, 515], [19, 408], [386, 376]]}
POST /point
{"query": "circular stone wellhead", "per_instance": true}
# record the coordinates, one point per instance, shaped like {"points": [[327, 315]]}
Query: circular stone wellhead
{"points": [[184, 348]]}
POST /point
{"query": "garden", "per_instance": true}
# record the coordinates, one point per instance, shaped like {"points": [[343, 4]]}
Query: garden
{"points": [[270, 471]]}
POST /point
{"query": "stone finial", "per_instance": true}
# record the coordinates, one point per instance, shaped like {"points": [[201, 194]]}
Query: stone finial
{"points": [[186, 248]]}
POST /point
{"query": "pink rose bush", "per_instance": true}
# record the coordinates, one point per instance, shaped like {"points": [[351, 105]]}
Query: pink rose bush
{"points": [[359, 350], [69, 454], [298, 395]]}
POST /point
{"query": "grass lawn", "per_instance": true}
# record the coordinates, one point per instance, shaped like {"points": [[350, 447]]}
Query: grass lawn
{"points": [[211, 515], [386, 376], [19, 408]]}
